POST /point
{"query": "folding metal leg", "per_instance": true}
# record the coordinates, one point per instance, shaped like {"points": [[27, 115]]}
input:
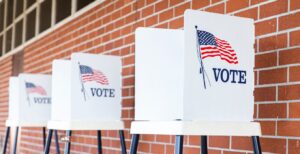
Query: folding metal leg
{"points": [[204, 145], [134, 143], [179, 144], [16, 141], [44, 137], [256, 145], [56, 142], [48, 142], [68, 141], [6, 139], [122, 140], [99, 142]]}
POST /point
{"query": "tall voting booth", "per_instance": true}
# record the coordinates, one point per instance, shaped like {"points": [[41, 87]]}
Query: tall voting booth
{"points": [[86, 93], [196, 81], [29, 104]]}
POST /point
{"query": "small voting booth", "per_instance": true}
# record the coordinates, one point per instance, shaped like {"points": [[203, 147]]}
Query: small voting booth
{"points": [[196, 81], [86, 92], [29, 103]]}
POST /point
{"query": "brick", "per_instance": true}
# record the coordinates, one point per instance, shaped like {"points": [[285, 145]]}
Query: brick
{"points": [[294, 147], [151, 21], [191, 150], [219, 141], [163, 138], [194, 140], [157, 148], [273, 145], [266, 60], [289, 92], [295, 38], [250, 13], [161, 5], [278, 110], [174, 2], [234, 5], [198, 4], [289, 21], [268, 127], [241, 143], [265, 27], [294, 110], [220, 8], [273, 8], [288, 128], [177, 23], [179, 10], [294, 4], [233, 152], [291, 56], [166, 15], [273, 76], [265, 94], [273, 42], [147, 11], [253, 2], [210, 151], [294, 73]]}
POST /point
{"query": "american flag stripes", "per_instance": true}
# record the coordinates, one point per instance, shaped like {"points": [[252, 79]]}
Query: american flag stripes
{"points": [[211, 46], [32, 88], [88, 74]]}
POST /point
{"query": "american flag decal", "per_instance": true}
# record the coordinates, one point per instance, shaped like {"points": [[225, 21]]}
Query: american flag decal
{"points": [[89, 74], [211, 46], [32, 88]]}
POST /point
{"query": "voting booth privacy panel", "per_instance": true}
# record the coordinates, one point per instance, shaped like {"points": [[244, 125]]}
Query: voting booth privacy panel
{"points": [[86, 88], [29, 100], [201, 73]]}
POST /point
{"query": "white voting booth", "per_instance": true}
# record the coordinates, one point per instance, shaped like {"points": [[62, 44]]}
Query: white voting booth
{"points": [[29, 104], [29, 100], [196, 81], [86, 92]]}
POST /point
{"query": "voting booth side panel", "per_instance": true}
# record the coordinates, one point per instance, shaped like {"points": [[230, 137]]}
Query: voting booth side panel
{"points": [[61, 90], [158, 74], [14, 95], [219, 61], [96, 87], [35, 98]]}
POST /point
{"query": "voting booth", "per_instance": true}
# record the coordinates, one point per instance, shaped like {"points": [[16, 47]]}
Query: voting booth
{"points": [[196, 81], [86, 92], [29, 103]]}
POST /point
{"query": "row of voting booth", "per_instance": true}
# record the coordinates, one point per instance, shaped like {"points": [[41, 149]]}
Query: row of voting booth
{"points": [[195, 81]]}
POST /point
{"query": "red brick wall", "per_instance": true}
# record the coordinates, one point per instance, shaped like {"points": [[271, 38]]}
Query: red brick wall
{"points": [[109, 29]]}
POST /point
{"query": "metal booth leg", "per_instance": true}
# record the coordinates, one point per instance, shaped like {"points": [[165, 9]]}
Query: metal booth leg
{"points": [[256, 145], [68, 141], [56, 142], [99, 142], [48, 142], [204, 145], [134, 143], [16, 141], [44, 137], [6, 139], [122, 140], [179, 144]]}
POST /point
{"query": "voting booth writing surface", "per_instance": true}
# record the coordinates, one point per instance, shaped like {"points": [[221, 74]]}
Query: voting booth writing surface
{"points": [[86, 92], [29, 100], [174, 82]]}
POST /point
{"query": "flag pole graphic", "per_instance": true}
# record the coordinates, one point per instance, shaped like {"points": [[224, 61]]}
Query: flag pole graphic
{"points": [[200, 57], [27, 95], [82, 85]]}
